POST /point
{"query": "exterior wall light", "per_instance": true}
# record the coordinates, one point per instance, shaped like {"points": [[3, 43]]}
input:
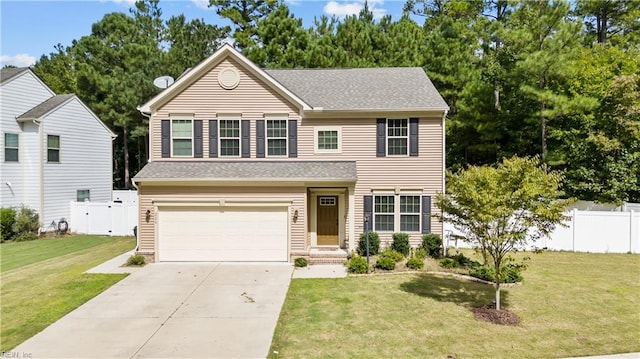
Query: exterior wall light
{"points": [[295, 216], [147, 215]]}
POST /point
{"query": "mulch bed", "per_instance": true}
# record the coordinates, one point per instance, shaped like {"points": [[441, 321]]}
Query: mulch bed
{"points": [[492, 315]]}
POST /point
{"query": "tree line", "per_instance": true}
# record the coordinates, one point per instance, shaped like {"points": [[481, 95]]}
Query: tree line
{"points": [[556, 79]]}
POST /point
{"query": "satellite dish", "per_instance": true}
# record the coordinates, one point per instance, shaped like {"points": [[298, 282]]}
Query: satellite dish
{"points": [[163, 82]]}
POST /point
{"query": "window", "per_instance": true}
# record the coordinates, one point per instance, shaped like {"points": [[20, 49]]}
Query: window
{"points": [[276, 137], [397, 137], [230, 137], [83, 195], [327, 201], [53, 148], [327, 139], [410, 213], [182, 138], [391, 212], [383, 210], [11, 141]]}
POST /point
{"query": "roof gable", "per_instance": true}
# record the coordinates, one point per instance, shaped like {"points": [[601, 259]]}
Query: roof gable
{"points": [[226, 51], [8, 73]]}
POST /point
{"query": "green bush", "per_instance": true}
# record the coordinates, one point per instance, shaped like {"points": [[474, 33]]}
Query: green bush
{"points": [[7, 219], [510, 273], [386, 263], [357, 265], [393, 254], [374, 244], [26, 225], [301, 262], [401, 243], [448, 263], [415, 263], [464, 261], [136, 260], [432, 243], [419, 253]]}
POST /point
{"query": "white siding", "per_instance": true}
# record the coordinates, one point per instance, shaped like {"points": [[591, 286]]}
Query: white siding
{"points": [[17, 96], [85, 159]]}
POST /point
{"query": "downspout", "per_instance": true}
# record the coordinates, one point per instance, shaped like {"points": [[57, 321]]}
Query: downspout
{"points": [[147, 115], [38, 123]]}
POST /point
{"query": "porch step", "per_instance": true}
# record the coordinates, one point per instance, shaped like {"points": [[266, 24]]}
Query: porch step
{"points": [[327, 256]]}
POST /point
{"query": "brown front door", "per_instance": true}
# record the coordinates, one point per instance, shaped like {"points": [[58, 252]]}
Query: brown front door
{"points": [[327, 220]]}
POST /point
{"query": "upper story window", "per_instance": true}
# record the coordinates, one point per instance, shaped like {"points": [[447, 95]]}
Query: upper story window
{"points": [[53, 148], [11, 145], [230, 137], [277, 137], [397, 137], [182, 138], [327, 139], [83, 195]]}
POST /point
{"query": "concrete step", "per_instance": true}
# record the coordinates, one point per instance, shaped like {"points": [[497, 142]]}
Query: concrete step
{"points": [[327, 253], [316, 260]]}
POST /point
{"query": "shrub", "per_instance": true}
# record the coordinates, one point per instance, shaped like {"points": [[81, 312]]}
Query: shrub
{"points": [[357, 265], [374, 244], [510, 273], [26, 225], [386, 263], [432, 243], [448, 263], [401, 243], [419, 253], [136, 260], [464, 261], [393, 254], [301, 262], [7, 219], [415, 263]]}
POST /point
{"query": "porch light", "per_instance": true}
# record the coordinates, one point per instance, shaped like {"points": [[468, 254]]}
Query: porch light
{"points": [[295, 215], [147, 215]]}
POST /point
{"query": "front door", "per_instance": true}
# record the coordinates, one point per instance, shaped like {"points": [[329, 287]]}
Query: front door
{"points": [[327, 220]]}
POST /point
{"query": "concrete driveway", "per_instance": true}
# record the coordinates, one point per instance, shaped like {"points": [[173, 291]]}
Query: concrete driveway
{"points": [[179, 310]]}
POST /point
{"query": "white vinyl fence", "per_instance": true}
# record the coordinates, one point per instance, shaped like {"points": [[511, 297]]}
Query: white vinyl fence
{"points": [[586, 231], [106, 218]]}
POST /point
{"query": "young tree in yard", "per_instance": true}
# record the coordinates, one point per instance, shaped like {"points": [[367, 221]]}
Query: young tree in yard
{"points": [[501, 208]]}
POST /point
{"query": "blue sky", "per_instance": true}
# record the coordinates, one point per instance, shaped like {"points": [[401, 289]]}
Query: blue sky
{"points": [[29, 29]]}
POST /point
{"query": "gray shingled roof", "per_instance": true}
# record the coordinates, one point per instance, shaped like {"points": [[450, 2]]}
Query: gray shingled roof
{"points": [[45, 107], [249, 170], [389, 88], [9, 73]]}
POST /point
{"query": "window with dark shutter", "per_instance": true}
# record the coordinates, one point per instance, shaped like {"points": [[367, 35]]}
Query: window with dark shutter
{"points": [[293, 138], [197, 138], [165, 134], [213, 138], [381, 147], [244, 129], [368, 212], [426, 214], [413, 137], [260, 139]]}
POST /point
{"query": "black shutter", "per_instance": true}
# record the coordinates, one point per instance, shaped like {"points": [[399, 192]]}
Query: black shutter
{"points": [[166, 138], [213, 138], [426, 214], [368, 213], [293, 138], [413, 137], [245, 146], [197, 138], [381, 138], [260, 138]]}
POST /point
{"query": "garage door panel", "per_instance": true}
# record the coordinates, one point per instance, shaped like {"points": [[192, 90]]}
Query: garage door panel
{"points": [[236, 234]]}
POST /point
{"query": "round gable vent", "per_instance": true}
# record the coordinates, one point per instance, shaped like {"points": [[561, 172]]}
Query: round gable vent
{"points": [[228, 78]]}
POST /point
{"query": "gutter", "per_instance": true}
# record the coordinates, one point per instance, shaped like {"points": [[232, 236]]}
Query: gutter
{"points": [[38, 123], [147, 115]]}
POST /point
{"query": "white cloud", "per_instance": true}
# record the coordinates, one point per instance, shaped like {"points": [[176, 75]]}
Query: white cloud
{"points": [[19, 60], [345, 8], [201, 4], [293, 2], [121, 2]]}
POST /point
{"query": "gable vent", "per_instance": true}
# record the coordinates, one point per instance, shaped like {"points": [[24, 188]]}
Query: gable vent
{"points": [[228, 78]]}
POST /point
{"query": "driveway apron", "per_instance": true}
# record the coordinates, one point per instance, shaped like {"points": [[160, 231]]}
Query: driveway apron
{"points": [[174, 310]]}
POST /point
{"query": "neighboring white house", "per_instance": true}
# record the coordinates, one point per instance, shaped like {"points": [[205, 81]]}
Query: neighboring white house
{"points": [[54, 148]]}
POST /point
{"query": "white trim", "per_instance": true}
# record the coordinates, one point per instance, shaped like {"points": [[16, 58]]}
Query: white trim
{"points": [[317, 129], [5, 147], [339, 193], [400, 213], [182, 138], [239, 138], [396, 210], [59, 148]]}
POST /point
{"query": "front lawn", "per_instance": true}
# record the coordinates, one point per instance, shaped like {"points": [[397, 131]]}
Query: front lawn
{"points": [[570, 304], [38, 290]]}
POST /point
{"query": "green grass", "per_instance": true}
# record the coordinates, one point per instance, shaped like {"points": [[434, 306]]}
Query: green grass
{"points": [[570, 304], [37, 292], [15, 255]]}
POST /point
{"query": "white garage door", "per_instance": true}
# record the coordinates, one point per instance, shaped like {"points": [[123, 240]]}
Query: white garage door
{"points": [[231, 234]]}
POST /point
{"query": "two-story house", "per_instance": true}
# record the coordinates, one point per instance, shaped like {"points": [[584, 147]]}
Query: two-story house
{"points": [[249, 164], [55, 149]]}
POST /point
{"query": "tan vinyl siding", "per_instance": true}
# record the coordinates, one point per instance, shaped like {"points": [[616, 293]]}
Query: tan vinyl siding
{"points": [[205, 99], [423, 172], [148, 194]]}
